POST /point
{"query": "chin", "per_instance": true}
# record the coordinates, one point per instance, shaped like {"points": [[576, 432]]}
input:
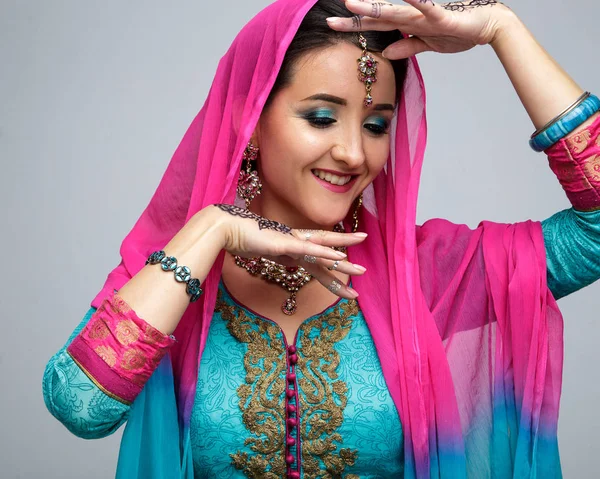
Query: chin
{"points": [[327, 219]]}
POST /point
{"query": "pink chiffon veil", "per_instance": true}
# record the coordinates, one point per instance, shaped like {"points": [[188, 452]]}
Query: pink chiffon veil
{"points": [[468, 334]]}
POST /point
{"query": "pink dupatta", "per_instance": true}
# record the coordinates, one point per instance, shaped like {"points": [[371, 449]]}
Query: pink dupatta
{"points": [[468, 334]]}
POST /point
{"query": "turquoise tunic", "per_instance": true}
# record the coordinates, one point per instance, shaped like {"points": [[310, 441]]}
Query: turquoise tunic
{"points": [[347, 420], [348, 423]]}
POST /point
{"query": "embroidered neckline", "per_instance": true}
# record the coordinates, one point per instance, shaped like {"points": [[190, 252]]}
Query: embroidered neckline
{"points": [[253, 314], [292, 400]]}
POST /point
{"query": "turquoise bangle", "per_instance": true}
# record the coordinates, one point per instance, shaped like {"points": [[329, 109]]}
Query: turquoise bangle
{"points": [[562, 127]]}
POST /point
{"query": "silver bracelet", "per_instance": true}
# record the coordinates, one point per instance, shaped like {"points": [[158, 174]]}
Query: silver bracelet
{"points": [[182, 273]]}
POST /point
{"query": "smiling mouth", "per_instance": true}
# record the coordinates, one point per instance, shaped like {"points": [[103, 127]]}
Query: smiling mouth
{"points": [[333, 179]]}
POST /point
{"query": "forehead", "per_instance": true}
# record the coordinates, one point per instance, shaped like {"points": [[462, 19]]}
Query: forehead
{"points": [[334, 70]]}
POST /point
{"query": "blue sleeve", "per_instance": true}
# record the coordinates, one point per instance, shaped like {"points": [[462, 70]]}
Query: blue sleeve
{"points": [[572, 240], [75, 400]]}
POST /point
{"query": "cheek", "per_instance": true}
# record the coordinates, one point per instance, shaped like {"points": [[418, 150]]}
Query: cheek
{"points": [[290, 145], [377, 157]]}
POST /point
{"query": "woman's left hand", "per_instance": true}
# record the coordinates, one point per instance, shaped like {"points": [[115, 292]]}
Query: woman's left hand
{"points": [[443, 27]]}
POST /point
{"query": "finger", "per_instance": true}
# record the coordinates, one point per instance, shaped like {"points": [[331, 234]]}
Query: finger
{"points": [[396, 13], [427, 8], [298, 249], [383, 11], [376, 16], [352, 24], [342, 266], [407, 47], [329, 238], [305, 234], [338, 265], [320, 273], [329, 281]]}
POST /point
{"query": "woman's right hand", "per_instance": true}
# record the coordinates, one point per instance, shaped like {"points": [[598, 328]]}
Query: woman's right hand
{"points": [[249, 235]]}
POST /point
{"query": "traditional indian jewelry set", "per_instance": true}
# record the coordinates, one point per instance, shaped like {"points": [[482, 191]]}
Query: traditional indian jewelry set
{"points": [[292, 279]]}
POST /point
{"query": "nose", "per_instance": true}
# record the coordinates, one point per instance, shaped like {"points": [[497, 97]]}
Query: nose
{"points": [[349, 149]]}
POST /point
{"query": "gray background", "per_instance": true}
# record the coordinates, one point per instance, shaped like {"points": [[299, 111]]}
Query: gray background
{"points": [[94, 99]]}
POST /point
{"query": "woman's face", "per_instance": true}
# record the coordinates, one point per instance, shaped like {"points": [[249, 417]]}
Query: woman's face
{"points": [[316, 127]]}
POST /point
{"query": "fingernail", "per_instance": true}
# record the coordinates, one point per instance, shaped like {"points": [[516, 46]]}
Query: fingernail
{"points": [[383, 54], [359, 267], [360, 235], [341, 255], [333, 20], [353, 293]]}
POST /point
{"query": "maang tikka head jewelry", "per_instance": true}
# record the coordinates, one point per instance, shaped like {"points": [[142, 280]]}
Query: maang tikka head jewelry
{"points": [[367, 69], [249, 185]]}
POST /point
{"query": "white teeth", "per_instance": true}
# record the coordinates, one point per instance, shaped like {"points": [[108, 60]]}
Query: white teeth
{"points": [[333, 179]]}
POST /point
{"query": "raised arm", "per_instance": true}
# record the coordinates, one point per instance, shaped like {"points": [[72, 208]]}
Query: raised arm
{"points": [[90, 384], [572, 236]]}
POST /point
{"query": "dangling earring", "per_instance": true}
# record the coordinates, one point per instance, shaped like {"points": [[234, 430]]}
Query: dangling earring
{"points": [[359, 202], [249, 185]]}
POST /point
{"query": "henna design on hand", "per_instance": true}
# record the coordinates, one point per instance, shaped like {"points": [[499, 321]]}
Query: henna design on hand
{"points": [[357, 21], [376, 10], [263, 223], [463, 6]]}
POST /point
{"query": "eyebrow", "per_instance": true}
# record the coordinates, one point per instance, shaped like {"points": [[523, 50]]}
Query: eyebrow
{"points": [[340, 101]]}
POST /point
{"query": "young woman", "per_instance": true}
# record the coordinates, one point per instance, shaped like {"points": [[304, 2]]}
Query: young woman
{"points": [[311, 349]]}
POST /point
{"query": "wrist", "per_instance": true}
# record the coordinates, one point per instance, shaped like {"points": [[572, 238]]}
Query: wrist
{"points": [[506, 22], [201, 239], [212, 223]]}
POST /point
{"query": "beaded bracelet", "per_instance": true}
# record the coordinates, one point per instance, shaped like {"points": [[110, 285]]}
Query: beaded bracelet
{"points": [[182, 273], [586, 106]]}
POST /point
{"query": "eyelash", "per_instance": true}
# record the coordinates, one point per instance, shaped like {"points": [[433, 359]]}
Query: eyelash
{"points": [[321, 122]]}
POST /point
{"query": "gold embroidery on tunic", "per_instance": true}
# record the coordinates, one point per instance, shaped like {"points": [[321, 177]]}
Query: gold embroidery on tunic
{"points": [[324, 395], [262, 398], [579, 141], [133, 359], [591, 167], [107, 353], [98, 329], [152, 334], [127, 332], [119, 306]]}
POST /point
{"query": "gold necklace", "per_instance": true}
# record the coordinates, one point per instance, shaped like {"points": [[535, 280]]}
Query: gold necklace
{"points": [[291, 278]]}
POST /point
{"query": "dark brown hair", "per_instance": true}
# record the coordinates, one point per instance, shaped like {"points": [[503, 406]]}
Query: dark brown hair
{"points": [[314, 34]]}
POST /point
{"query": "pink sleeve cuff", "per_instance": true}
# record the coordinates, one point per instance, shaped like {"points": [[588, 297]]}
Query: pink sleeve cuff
{"points": [[575, 160], [118, 350]]}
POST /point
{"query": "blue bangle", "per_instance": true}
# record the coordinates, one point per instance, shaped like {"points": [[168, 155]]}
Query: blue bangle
{"points": [[182, 273], [563, 126]]}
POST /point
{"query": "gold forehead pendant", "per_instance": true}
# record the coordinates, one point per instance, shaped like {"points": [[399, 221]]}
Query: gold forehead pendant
{"points": [[367, 69]]}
